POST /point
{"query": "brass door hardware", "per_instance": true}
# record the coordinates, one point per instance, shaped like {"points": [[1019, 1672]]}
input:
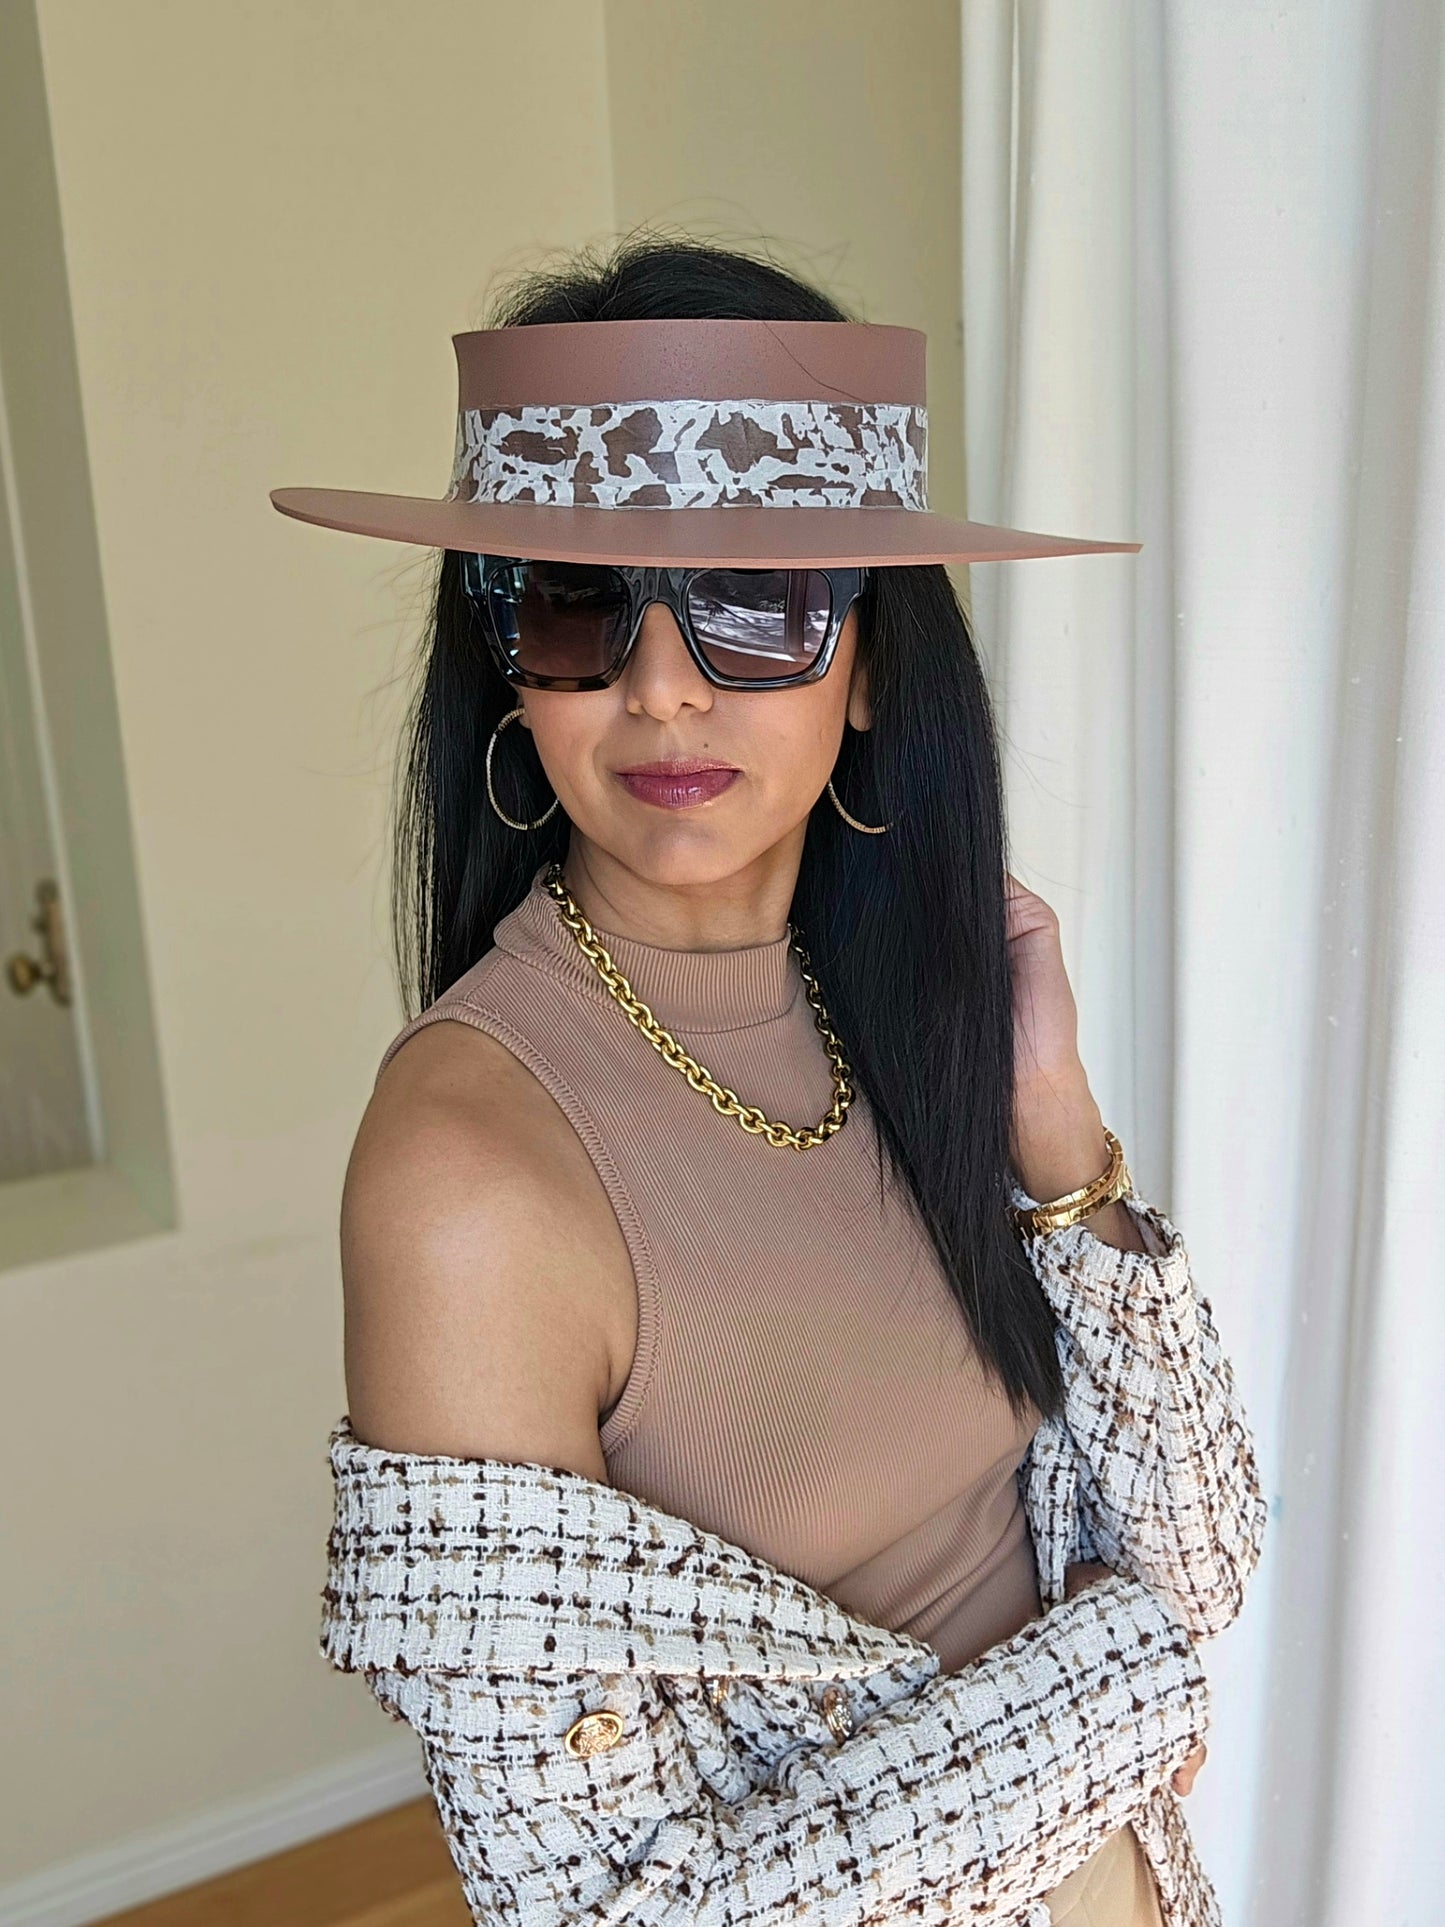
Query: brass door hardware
{"points": [[52, 967]]}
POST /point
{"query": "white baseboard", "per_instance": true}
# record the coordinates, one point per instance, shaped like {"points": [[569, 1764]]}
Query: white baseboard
{"points": [[161, 1861]]}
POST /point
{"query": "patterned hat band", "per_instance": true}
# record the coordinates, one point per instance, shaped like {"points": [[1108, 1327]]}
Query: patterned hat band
{"points": [[694, 454], [705, 427]]}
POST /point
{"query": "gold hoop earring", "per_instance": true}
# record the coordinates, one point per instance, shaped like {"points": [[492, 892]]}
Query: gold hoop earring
{"points": [[510, 716], [872, 829]]}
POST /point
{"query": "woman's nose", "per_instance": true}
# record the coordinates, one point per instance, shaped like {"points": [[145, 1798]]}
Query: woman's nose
{"points": [[660, 658]]}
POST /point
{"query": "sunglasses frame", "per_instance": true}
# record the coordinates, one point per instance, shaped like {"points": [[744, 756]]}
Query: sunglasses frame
{"points": [[668, 586]]}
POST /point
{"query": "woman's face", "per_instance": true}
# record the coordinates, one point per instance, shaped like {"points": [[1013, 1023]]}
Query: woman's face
{"points": [[782, 742]]}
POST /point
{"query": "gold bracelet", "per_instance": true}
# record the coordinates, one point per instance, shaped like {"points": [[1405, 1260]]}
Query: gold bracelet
{"points": [[1074, 1205]]}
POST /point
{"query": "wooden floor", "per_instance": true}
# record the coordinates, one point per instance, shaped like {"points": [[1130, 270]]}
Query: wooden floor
{"points": [[393, 1870]]}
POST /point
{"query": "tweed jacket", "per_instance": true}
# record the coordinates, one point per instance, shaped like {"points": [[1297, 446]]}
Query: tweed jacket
{"points": [[625, 1719]]}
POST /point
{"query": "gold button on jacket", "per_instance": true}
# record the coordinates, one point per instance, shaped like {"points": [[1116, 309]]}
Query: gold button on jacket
{"points": [[593, 1733]]}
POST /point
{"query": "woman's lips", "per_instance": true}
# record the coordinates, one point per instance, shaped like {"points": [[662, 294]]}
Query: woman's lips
{"points": [[678, 792]]}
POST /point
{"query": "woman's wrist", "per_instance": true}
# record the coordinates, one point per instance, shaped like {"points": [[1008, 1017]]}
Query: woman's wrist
{"points": [[1059, 1146], [1058, 1139]]}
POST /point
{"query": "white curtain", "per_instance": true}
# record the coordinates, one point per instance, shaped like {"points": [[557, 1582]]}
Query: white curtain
{"points": [[1204, 309]]}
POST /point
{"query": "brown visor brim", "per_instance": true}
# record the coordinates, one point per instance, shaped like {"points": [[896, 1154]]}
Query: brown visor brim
{"points": [[743, 537]]}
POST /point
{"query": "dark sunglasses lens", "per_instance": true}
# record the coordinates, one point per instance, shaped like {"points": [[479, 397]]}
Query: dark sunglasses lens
{"points": [[559, 620], [760, 623]]}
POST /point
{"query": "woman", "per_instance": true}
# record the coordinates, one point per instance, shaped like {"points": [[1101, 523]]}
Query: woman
{"points": [[740, 1065]]}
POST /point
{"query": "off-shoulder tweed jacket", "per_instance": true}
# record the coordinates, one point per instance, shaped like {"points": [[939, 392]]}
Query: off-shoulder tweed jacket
{"points": [[779, 1760]]}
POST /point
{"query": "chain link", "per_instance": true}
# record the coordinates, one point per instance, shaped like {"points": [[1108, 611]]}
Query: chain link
{"points": [[726, 1102]]}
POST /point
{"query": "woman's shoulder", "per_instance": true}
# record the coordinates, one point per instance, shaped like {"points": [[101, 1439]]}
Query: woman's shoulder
{"points": [[474, 1229], [483, 997]]}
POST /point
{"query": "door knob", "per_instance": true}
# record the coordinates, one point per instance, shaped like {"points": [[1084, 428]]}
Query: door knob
{"points": [[51, 967]]}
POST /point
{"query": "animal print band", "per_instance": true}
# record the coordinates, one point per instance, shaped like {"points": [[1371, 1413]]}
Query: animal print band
{"points": [[695, 454]]}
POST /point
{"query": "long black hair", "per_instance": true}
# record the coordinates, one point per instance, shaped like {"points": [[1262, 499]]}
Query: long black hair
{"points": [[906, 931]]}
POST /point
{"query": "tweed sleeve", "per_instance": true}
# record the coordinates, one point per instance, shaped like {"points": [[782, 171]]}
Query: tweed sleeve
{"points": [[964, 1799], [1168, 1482]]}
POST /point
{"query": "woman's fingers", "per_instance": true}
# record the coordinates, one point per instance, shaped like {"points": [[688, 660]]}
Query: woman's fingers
{"points": [[1084, 1572], [1184, 1774]]}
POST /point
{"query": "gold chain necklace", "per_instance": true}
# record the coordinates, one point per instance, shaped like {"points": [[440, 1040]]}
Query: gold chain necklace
{"points": [[724, 1101]]}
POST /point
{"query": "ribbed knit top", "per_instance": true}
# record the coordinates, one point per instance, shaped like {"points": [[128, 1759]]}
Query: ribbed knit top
{"points": [[804, 1382]]}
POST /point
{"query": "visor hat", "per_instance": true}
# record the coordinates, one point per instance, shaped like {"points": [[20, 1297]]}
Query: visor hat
{"points": [[687, 443]]}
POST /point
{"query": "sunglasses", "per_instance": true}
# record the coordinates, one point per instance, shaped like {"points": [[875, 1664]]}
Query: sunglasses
{"points": [[572, 625]]}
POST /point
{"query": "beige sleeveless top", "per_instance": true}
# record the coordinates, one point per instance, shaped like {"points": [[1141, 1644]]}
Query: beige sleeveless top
{"points": [[804, 1383]]}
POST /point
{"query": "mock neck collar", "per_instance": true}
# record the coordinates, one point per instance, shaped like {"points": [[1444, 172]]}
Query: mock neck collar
{"points": [[696, 990]]}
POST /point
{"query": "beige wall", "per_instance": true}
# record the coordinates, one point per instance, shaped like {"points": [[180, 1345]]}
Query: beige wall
{"points": [[829, 126], [275, 215]]}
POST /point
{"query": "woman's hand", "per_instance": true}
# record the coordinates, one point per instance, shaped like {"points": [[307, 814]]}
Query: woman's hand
{"points": [[1046, 1019], [1056, 1140], [1088, 1572], [1084, 1572]]}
